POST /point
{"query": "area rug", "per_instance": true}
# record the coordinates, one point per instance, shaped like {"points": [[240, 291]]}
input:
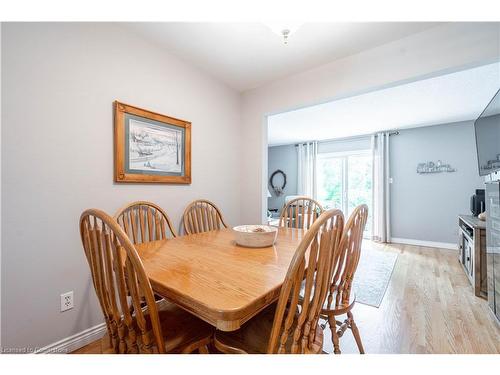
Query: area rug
{"points": [[373, 275]]}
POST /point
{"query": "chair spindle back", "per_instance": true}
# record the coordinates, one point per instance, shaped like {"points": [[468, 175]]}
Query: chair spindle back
{"points": [[145, 222], [347, 259], [202, 216], [300, 213], [121, 285], [312, 263]]}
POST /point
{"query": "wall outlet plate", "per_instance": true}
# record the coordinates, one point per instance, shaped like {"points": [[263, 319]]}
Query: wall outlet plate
{"points": [[67, 301]]}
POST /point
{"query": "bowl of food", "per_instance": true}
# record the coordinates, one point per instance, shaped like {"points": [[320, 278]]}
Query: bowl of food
{"points": [[255, 235]]}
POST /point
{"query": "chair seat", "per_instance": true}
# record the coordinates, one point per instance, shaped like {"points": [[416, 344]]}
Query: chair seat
{"points": [[183, 332], [333, 308], [253, 336]]}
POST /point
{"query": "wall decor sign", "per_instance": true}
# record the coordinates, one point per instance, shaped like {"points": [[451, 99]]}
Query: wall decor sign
{"points": [[437, 167], [150, 147]]}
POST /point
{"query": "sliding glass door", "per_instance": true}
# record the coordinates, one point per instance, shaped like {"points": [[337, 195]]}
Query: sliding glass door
{"points": [[345, 181]]}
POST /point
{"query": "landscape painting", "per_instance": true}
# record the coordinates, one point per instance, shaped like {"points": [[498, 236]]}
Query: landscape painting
{"points": [[150, 147], [154, 148]]}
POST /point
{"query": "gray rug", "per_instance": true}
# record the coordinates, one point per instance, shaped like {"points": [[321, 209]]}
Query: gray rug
{"points": [[373, 275]]}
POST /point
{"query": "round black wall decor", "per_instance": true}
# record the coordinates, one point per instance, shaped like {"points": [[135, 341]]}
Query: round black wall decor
{"points": [[278, 189]]}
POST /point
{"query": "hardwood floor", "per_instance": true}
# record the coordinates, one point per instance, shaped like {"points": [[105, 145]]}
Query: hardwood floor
{"points": [[92, 348], [429, 307]]}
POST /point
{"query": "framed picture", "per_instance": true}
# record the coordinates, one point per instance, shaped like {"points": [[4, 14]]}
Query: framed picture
{"points": [[150, 147]]}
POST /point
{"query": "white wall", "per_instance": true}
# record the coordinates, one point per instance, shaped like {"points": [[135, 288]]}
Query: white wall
{"points": [[345, 145], [59, 82], [441, 49]]}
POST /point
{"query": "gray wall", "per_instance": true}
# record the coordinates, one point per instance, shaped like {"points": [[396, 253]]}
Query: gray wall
{"points": [[425, 207], [284, 158], [59, 81]]}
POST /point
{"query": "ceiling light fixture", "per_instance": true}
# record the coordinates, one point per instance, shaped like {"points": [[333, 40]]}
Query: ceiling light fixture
{"points": [[283, 29]]}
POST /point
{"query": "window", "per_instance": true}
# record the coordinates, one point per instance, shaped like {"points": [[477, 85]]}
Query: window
{"points": [[345, 181]]}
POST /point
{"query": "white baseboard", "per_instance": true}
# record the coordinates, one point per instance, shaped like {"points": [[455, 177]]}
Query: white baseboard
{"points": [[72, 343], [75, 342], [441, 245]]}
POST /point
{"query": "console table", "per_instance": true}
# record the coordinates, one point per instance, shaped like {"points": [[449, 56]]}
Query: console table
{"points": [[472, 252]]}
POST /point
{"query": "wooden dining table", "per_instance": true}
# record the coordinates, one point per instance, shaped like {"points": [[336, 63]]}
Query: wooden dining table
{"points": [[213, 278]]}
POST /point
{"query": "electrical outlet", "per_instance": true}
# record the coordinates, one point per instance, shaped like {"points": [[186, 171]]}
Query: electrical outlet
{"points": [[66, 301]]}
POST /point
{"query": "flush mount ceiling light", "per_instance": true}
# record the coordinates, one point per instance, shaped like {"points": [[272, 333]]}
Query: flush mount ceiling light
{"points": [[283, 29]]}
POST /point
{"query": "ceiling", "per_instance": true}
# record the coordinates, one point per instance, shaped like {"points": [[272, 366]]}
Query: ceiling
{"points": [[448, 98], [248, 55]]}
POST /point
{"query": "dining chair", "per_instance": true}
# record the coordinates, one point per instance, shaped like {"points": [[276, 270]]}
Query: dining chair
{"points": [[340, 298], [202, 216], [285, 327], [135, 322], [300, 212], [144, 221]]}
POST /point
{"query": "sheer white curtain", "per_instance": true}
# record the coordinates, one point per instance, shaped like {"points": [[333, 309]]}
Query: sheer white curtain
{"points": [[381, 188], [306, 169]]}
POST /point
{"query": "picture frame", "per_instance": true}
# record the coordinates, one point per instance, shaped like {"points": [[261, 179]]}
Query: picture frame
{"points": [[150, 147]]}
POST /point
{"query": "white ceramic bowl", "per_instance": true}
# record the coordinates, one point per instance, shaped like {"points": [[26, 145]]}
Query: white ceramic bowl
{"points": [[255, 235]]}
